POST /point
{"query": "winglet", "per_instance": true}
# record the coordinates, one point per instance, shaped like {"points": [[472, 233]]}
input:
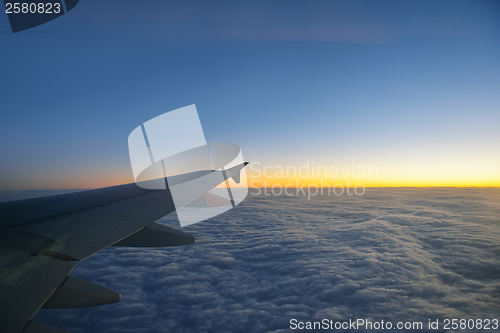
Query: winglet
{"points": [[237, 177]]}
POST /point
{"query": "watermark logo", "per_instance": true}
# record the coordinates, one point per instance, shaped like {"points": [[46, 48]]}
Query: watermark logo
{"points": [[310, 180], [28, 14], [170, 152]]}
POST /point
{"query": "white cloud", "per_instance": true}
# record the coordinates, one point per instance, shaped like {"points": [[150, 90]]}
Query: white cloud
{"points": [[393, 254]]}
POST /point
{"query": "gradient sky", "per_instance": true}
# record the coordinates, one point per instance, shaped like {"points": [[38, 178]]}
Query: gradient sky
{"points": [[411, 87]]}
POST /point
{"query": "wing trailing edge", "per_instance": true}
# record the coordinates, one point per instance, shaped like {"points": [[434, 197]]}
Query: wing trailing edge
{"points": [[156, 235]]}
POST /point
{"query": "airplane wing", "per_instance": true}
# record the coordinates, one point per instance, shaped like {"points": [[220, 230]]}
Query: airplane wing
{"points": [[41, 240]]}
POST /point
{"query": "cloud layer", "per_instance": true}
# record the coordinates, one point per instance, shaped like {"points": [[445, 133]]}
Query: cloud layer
{"points": [[392, 254]]}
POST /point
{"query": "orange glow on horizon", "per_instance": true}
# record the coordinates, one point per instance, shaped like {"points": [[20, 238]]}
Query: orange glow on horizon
{"points": [[291, 183], [438, 179], [346, 182]]}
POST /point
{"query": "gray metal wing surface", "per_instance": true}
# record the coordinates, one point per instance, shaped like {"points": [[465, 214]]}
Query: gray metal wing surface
{"points": [[41, 240]]}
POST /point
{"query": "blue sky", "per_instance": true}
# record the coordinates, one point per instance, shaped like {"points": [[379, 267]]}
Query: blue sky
{"points": [[410, 86]]}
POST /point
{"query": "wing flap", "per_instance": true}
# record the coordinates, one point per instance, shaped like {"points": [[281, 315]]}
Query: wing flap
{"points": [[26, 287], [9, 259], [80, 247], [36, 327], [70, 225], [133, 206], [78, 293], [156, 235], [20, 240]]}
